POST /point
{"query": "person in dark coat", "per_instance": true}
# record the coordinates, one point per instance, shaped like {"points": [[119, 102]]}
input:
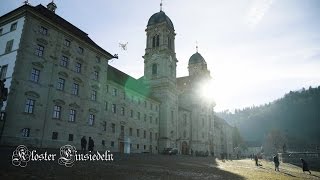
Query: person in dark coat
{"points": [[305, 166], [276, 162], [91, 144], [83, 144], [256, 159]]}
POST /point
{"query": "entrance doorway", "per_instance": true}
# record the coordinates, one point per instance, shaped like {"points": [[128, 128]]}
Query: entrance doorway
{"points": [[121, 147], [184, 148]]}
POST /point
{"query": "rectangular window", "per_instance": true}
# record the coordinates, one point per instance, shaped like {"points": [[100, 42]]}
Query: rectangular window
{"points": [[56, 112], [144, 147], [106, 106], [150, 119], [156, 120], [78, 67], [72, 115], [138, 133], [122, 130], [145, 117], [137, 146], [70, 137], [107, 88], [95, 75], [29, 106], [144, 134], [151, 106], [130, 131], [113, 126], [114, 92], [64, 61], [9, 46], [75, 89], [91, 119], [104, 126], [156, 136], [54, 135], [112, 144], [43, 30], [60, 85], [114, 108], [35, 73], [122, 111], [145, 104], [25, 132], [39, 50], [13, 26], [66, 43], [138, 115], [3, 72], [80, 50], [93, 95], [131, 113], [150, 136]]}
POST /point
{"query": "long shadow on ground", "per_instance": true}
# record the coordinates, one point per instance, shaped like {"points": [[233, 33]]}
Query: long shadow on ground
{"points": [[134, 166]]}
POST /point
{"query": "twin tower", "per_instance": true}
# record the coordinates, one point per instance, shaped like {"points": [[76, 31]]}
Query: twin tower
{"points": [[160, 64]]}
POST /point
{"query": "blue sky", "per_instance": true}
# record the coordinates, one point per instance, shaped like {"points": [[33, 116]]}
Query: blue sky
{"points": [[256, 50]]}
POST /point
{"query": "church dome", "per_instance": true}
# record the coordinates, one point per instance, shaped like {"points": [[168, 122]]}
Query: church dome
{"points": [[196, 58], [160, 17]]}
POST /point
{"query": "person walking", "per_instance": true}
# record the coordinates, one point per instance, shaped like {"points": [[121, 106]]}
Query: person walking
{"points": [[276, 162], [305, 166], [91, 144], [83, 144], [256, 159]]}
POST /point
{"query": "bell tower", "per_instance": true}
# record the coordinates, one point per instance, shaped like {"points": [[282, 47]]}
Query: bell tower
{"points": [[160, 75], [160, 57]]}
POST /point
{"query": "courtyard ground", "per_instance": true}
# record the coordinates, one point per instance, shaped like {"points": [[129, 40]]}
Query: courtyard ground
{"points": [[146, 166]]}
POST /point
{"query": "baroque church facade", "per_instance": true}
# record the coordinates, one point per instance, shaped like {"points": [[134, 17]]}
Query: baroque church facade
{"points": [[62, 88], [186, 119]]}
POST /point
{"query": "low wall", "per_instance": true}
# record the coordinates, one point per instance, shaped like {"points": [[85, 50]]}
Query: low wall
{"points": [[294, 157]]}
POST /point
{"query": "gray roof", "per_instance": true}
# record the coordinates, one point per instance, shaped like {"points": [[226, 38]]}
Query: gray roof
{"points": [[59, 21], [196, 58], [160, 17]]}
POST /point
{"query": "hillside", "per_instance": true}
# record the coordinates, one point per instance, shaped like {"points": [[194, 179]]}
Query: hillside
{"points": [[296, 116]]}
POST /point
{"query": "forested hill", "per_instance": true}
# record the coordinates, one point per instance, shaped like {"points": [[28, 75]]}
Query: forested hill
{"points": [[296, 116]]}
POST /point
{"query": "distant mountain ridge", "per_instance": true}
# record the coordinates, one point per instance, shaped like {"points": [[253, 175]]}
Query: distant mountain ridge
{"points": [[296, 115]]}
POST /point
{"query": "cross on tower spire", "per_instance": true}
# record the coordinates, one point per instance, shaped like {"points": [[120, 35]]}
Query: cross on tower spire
{"points": [[161, 5], [197, 46]]}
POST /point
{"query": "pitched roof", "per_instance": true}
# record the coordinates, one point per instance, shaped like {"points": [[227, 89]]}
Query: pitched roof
{"points": [[128, 82], [59, 21]]}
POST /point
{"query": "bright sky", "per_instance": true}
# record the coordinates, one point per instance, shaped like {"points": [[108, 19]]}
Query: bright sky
{"points": [[256, 50]]}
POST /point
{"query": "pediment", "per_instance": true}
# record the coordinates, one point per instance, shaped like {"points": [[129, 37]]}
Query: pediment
{"points": [[32, 94]]}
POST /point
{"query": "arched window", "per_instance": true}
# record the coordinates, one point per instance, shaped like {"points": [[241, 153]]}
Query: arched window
{"points": [[169, 43], [154, 69], [153, 41], [158, 41]]}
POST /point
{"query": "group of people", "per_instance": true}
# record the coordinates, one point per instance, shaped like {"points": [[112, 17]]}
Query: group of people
{"points": [[276, 161], [84, 144]]}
